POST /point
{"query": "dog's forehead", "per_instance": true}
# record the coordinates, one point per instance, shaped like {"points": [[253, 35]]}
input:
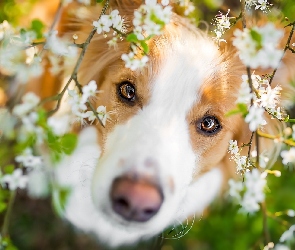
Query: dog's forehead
{"points": [[188, 59]]}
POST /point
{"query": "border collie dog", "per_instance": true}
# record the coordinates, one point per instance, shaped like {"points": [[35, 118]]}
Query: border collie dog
{"points": [[162, 156]]}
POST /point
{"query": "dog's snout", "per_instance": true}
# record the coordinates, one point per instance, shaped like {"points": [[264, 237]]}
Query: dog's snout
{"points": [[135, 200]]}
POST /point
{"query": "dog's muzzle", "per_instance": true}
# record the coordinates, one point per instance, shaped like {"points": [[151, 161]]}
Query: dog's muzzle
{"points": [[135, 199]]}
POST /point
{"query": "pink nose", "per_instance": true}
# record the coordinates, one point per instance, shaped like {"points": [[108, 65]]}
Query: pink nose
{"points": [[135, 200]]}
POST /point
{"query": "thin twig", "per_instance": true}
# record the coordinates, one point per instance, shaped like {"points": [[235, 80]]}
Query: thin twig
{"points": [[5, 227], [285, 49], [73, 76], [276, 137], [55, 20], [88, 103], [265, 226]]}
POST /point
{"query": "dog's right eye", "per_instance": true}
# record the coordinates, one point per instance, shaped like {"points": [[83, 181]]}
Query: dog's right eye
{"points": [[127, 92]]}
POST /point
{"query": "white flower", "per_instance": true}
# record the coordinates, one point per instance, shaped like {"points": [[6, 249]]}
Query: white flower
{"points": [[255, 118], [281, 247], [30, 101], [15, 180], [29, 160], [132, 62], [102, 114], [89, 90], [60, 47], [38, 184], [257, 46], [242, 163], [245, 94], [291, 213], [235, 189], [59, 125], [249, 204], [165, 2], [113, 42], [288, 156], [254, 183], [288, 235], [233, 147], [262, 5], [103, 24]]}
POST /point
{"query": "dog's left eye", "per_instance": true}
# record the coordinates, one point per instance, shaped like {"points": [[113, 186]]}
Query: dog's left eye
{"points": [[126, 91], [209, 125]]}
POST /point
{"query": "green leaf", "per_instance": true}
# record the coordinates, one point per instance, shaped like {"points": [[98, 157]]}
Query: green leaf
{"points": [[99, 1], [256, 37], [3, 206], [68, 143], [59, 199], [37, 26], [241, 109], [7, 244], [132, 38], [9, 169], [145, 47]]}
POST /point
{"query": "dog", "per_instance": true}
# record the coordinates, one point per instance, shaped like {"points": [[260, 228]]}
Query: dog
{"points": [[162, 156]]}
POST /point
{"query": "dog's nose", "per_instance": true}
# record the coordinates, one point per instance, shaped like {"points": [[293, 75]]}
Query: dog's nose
{"points": [[135, 200]]}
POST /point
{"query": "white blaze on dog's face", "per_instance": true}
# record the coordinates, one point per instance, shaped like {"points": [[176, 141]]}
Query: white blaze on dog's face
{"points": [[166, 134]]}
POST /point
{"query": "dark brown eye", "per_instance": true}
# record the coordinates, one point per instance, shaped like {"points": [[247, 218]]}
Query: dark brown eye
{"points": [[126, 91], [209, 125]]}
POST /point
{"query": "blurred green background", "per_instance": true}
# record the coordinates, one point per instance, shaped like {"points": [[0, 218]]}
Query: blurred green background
{"points": [[34, 224]]}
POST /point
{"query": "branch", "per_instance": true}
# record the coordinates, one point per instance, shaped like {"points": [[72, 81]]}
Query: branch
{"points": [[73, 76], [4, 231], [287, 46], [277, 137]]}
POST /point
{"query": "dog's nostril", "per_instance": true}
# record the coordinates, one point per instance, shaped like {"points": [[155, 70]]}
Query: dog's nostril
{"points": [[135, 200], [121, 203], [149, 211]]}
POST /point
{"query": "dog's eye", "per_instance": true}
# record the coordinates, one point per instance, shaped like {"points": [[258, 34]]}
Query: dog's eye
{"points": [[126, 90], [209, 125]]}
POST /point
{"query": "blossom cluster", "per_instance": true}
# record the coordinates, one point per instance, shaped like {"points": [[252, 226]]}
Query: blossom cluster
{"points": [[78, 101], [259, 4], [222, 23], [187, 5], [106, 22], [250, 192], [17, 57], [258, 46], [264, 98], [149, 20], [26, 118], [242, 162]]}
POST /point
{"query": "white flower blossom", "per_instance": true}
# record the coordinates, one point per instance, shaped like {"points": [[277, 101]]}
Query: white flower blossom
{"points": [[15, 180], [102, 114], [254, 183], [60, 125], [59, 46], [30, 101], [233, 147], [29, 160], [235, 188], [89, 90], [134, 63], [38, 184], [291, 213], [288, 156], [281, 247], [288, 235], [257, 46], [255, 118]]}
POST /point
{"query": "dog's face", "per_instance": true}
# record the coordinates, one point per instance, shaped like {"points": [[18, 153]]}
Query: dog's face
{"points": [[166, 136]]}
